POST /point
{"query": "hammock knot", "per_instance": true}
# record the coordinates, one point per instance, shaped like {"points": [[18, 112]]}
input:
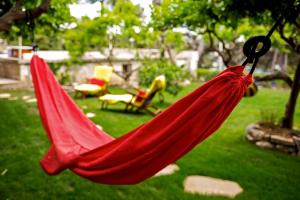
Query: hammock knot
{"points": [[239, 71]]}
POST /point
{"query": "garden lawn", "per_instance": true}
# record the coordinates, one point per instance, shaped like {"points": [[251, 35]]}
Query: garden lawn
{"points": [[263, 174]]}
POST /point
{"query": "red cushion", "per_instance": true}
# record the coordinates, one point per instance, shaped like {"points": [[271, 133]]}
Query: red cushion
{"points": [[96, 81], [140, 96]]}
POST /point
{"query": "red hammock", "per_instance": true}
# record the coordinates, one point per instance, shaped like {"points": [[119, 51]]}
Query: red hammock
{"points": [[77, 144]]}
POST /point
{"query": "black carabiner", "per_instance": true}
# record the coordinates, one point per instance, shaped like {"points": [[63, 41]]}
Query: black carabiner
{"points": [[252, 53], [250, 47]]}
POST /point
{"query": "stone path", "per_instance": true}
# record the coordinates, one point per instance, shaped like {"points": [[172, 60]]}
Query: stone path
{"points": [[5, 96], [211, 186], [99, 127], [26, 97], [84, 107], [32, 100], [90, 115]]}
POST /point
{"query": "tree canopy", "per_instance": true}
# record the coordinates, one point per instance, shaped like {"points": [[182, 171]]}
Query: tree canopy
{"points": [[222, 25], [50, 16]]}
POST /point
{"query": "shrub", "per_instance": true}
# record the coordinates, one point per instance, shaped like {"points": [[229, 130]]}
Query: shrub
{"points": [[61, 72], [204, 74], [173, 73]]}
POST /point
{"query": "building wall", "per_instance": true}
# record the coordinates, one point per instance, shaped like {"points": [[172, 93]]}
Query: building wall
{"points": [[19, 69], [10, 69], [81, 73]]}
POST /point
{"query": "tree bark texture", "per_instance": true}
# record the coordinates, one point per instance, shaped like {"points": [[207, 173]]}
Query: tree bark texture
{"points": [[287, 121]]}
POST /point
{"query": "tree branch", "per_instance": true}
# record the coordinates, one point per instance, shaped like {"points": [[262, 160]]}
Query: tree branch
{"points": [[279, 75], [211, 41], [289, 40], [226, 59], [229, 55], [16, 14], [127, 75], [170, 54]]}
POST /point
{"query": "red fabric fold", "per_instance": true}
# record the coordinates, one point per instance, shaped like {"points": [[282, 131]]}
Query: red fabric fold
{"points": [[77, 144]]}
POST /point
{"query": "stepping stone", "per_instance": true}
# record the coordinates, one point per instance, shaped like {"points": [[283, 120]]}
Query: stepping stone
{"points": [[90, 115], [265, 144], [99, 127], [4, 172], [5, 96], [33, 100], [168, 170], [211, 186], [26, 97], [13, 98], [84, 107]]}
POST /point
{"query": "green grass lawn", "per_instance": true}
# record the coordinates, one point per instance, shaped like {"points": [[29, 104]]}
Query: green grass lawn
{"points": [[263, 174]]}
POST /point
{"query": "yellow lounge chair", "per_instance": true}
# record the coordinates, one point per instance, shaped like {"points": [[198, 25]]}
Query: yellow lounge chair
{"points": [[137, 102], [97, 85]]}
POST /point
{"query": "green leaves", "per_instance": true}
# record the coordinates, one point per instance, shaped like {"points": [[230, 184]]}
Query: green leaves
{"points": [[47, 25], [153, 68], [116, 27]]}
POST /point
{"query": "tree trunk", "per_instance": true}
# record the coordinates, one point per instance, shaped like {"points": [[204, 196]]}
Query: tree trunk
{"points": [[287, 121], [110, 50], [200, 50], [274, 59], [285, 62], [102, 8], [162, 46], [170, 54]]}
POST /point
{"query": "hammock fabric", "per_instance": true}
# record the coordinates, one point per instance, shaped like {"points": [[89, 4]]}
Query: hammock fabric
{"points": [[77, 144]]}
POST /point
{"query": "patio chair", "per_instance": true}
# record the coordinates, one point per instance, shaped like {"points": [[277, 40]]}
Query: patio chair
{"points": [[137, 101], [97, 85]]}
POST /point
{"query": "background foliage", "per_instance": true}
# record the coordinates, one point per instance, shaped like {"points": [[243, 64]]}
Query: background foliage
{"points": [[174, 75]]}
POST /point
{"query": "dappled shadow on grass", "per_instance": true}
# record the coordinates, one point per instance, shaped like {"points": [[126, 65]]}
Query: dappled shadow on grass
{"points": [[163, 104], [118, 111], [160, 105]]}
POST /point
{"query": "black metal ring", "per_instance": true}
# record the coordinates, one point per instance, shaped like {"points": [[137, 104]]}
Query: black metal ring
{"points": [[250, 46]]}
